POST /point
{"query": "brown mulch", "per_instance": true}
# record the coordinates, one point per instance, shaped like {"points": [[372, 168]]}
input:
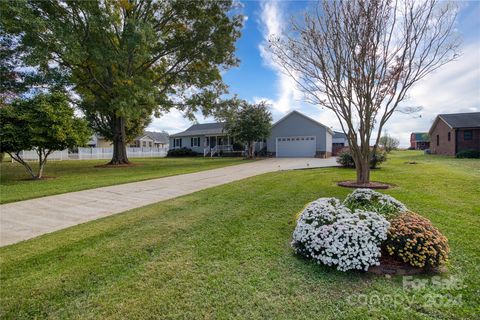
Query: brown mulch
{"points": [[371, 185], [125, 165], [391, 266]]}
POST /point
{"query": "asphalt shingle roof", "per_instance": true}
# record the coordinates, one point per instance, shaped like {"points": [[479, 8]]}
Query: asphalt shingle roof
{"points": [[161, 137], [202, 129], [462, 120], [338, 135], [421, 136]]}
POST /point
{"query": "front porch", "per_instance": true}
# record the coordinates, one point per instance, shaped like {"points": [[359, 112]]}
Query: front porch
{"points": [[214, 145]]}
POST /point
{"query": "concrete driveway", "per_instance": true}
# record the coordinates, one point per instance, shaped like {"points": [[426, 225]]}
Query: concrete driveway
{"points": [[30, 218]]}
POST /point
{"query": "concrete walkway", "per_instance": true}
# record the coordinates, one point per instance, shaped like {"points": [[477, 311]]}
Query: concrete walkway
{"points": [[30, 218]]}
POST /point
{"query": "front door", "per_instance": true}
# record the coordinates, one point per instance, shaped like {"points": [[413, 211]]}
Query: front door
{"points": [[213, 142]]}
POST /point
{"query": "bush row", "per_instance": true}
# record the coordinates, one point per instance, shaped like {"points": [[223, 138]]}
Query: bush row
{"points": [[182, 152], [468, 154]]}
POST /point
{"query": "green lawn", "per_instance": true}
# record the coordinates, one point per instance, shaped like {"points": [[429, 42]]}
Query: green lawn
{"points": [[78, 175], [224, 253]]}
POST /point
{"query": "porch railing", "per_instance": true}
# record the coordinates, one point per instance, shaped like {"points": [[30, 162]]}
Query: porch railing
{"points": [[217, 149]]}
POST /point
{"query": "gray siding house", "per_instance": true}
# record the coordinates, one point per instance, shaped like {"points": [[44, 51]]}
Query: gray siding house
{"points": [[339, 142], [296, 135], [205, 138]]}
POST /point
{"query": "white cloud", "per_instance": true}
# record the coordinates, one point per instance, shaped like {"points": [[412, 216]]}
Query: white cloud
{"points": [[174, 122], [453, 88], [272, 20]]}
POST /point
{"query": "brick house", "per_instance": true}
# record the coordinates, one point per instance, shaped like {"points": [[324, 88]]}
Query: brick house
{"points": [[451, 133], [419, 141]]}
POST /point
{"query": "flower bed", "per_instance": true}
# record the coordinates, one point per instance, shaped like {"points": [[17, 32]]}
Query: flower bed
{"points": [[352, 234]]}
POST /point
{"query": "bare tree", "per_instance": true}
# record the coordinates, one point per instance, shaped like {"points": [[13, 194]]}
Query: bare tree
{"points": [[389, 143], [359, 58]]}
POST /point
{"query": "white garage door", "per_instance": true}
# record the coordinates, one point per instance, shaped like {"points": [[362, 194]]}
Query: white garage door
{"points": [[303, 146]]}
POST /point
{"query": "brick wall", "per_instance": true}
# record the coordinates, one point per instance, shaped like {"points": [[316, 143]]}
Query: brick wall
{"points": [[412, 141], [473, 144], [439, 142]]}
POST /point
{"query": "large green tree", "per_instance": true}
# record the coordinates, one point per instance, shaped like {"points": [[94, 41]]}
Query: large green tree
{"points": [[129, 59], [43, 123], [248, 123]]}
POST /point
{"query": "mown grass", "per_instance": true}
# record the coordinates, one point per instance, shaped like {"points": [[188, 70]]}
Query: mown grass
{"points": [[224, 253], [78, 175]]}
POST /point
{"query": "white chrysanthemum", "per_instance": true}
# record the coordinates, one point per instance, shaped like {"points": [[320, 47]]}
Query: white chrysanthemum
{"points": [[332, 234], [370, 200]]}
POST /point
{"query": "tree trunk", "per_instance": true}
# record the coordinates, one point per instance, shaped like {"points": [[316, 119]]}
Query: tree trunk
{"points": [[119, 143], [16, 157], [42, 161], [362, 166]]}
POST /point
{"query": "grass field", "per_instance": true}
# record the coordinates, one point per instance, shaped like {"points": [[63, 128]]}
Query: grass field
{"points": [[78, 175], [225, 253]]}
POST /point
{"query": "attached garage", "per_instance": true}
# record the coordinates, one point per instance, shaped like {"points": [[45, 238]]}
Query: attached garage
{"points": [[296, 146], [296, 135]]}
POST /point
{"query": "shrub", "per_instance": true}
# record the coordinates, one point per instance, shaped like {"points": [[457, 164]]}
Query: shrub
{"points": [[182, 152], [468, 154], [414, 239], [345, 158], [332, 234], [370, 200]]}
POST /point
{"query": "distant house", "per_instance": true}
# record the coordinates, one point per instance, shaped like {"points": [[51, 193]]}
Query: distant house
{"points": [[419, 140], [149, 139], [451, 133], [97, 141], [339, 141]]}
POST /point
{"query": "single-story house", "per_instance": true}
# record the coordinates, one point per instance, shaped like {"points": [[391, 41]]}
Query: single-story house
{"points": [[149, 139], [339, 141], [419, 140], [97, 141], [451, 133], [294, 135], [204, 138]]}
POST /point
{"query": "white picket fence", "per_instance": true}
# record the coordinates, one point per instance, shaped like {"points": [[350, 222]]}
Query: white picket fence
{"points": [[106, 153], [32, 155], [96, 153]]}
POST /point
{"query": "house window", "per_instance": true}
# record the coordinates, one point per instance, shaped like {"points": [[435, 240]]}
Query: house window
{"points": [[449, 136], [177, 142], [438, 140], [195, 142], [150, 144], [467, 135], [144, 143]]}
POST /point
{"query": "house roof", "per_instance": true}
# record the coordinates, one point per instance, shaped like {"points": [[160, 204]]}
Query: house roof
{"points": [[462, 120], [459, 120], [306, 117], [161, 137], [339, 135], [201, 129], [421, 136]]}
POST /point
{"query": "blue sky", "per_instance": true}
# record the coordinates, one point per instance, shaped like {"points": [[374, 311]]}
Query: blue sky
{"points": [[453, 88]]}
